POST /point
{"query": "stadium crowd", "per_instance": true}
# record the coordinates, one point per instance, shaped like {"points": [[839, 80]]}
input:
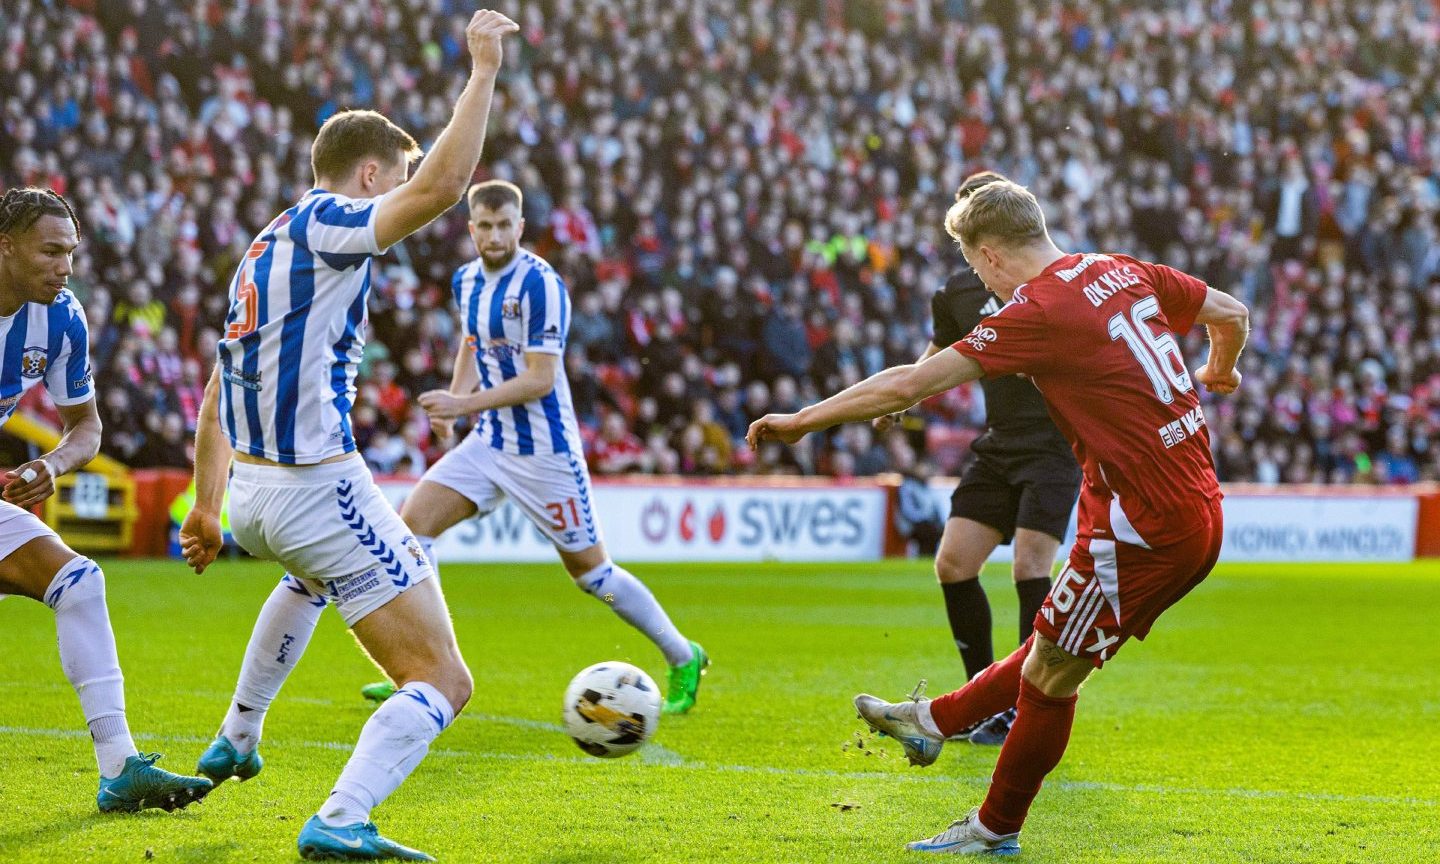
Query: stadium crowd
{"points": [[746, 200]]}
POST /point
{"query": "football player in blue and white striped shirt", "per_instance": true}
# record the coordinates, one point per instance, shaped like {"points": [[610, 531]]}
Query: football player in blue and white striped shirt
{"points": [[279, 403], [43, 338], [526, 447]]}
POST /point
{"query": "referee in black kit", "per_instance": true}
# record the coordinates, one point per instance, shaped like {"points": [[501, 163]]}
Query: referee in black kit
{"points": [[1021, 487]]}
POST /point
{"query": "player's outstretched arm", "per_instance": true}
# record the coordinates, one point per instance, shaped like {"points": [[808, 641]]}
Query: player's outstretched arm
{"points": [[1228, 323], [33, 482], [444, 174], [200, 535], [895, 389], [535, 382], [883, 424]]}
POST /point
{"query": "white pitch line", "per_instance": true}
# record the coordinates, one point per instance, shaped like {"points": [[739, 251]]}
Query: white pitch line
{"points": [[1067, 785]]}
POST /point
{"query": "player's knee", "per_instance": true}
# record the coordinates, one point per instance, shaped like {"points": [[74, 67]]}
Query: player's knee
{"points": [[458, 686], [949, 570], [1031, 568], [1054, 672]]}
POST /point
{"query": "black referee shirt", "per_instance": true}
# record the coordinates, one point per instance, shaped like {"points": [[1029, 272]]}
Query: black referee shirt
{"points": [[1014, 409]]}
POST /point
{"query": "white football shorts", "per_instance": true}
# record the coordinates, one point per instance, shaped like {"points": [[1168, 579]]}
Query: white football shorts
{"points": [[18, 527], [331, 528], [551, 489]]}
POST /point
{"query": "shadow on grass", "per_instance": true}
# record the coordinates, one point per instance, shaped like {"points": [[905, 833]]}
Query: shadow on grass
{"points": [[61, 828]]}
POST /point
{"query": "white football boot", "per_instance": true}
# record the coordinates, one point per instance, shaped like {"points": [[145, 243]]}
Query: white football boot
{"points": [[898, 720], [968, 837]]}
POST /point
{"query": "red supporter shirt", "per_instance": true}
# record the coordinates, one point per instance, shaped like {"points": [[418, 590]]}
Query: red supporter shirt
{"points": [[1097, 335]]}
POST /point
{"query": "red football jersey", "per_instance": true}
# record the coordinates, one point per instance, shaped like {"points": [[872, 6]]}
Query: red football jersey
{"points": [[1097, 335]]}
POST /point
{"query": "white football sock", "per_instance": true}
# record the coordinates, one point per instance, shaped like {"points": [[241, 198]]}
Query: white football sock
{"points": [[87, 654], [632, 601], [282, 631], [395, 738]]}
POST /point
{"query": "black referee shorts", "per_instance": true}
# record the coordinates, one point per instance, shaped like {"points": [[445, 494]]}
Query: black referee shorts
{"points": [[1032, 491]]}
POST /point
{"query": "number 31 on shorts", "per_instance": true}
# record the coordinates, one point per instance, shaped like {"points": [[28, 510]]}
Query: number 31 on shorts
{"points": [[557, 514]]}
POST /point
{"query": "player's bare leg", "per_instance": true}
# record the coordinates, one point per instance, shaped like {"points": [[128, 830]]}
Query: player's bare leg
{"points": [[1034, 561], [429, 511], [596, 575], [47, 570], [411, 638]]}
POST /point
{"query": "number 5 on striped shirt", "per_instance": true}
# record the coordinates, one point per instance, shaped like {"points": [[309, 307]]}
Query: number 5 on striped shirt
{"points": [[248, 295]]}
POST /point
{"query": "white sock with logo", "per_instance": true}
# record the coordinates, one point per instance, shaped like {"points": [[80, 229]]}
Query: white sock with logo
{"points": [[617, 588], [282, 631], [395, 738], [88, 658]]}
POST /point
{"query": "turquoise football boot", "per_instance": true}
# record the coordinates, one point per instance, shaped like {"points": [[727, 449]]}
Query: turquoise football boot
{"points": [[358, 842], [221, 761], [140, 785]]}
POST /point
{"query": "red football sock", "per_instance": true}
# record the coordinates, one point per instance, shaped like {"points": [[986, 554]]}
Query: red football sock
{"points": [[1036, 742], [987, 694]]}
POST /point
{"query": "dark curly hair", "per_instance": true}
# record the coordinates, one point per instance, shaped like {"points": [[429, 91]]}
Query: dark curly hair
{"points": [[21, 208]]}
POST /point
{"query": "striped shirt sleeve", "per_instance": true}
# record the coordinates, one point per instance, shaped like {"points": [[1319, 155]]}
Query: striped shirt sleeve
{"points": [[67, 377], [343, 226], [547, 312]]}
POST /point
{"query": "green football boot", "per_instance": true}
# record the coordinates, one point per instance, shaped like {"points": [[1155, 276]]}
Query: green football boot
{"points": [[378, 692], [140, 785], [684, 682]]}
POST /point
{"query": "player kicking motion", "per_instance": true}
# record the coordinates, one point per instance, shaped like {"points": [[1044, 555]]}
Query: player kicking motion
{"points": [[527, 445], [1021, 486], [1097, 335], [279, 402], [43, 337]]}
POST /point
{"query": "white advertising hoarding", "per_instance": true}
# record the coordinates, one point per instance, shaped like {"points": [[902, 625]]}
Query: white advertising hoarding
{"points": [[1294, 527], [1319, 528], [672, 522]]}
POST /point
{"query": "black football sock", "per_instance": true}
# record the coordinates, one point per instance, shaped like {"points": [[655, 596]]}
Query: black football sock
{"points": [[1032, 593], [969, 612]]}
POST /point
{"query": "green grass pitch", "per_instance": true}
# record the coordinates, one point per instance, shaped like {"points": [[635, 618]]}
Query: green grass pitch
{"points": [[1279, 714]]}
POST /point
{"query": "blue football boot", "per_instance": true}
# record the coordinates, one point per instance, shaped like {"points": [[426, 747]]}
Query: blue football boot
{"points": [[221, 761], [140, 785], [358, 842]]}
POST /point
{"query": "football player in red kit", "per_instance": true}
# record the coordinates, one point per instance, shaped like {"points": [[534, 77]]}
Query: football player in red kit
{"points": [[1098, 336]]}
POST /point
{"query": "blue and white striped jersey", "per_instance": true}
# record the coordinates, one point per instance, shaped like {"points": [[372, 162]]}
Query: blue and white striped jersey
{"points": [[49, 343], [296, 330], [522, 307]]}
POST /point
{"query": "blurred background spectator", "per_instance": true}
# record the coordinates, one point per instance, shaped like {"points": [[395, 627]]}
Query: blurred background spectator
{"points": [[745, 200]]}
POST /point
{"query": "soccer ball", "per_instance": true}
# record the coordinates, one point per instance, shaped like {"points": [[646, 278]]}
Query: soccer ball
{"points": [[611, 709]]}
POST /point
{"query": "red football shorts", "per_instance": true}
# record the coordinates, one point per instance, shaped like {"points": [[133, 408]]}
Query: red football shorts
{"points": [[1110, 591]]}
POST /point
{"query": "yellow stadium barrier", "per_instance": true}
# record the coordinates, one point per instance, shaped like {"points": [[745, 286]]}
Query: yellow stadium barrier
{"points": [[92, 509]]}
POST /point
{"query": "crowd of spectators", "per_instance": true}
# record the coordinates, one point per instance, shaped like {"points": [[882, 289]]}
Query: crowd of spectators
{"points": [[746, 199]]}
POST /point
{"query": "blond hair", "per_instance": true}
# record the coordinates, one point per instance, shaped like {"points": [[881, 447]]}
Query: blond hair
{"points": [[1001, 211]]}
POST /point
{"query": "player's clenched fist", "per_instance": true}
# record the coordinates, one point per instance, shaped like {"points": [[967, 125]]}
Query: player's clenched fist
{"points": [[201, 539], [780, 427], [443, 405], [483, 34], [1222, 383], [29, 484]]}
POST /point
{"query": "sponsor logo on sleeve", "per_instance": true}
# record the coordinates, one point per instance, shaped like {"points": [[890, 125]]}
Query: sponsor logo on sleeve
{"points": [[980, 337]]}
